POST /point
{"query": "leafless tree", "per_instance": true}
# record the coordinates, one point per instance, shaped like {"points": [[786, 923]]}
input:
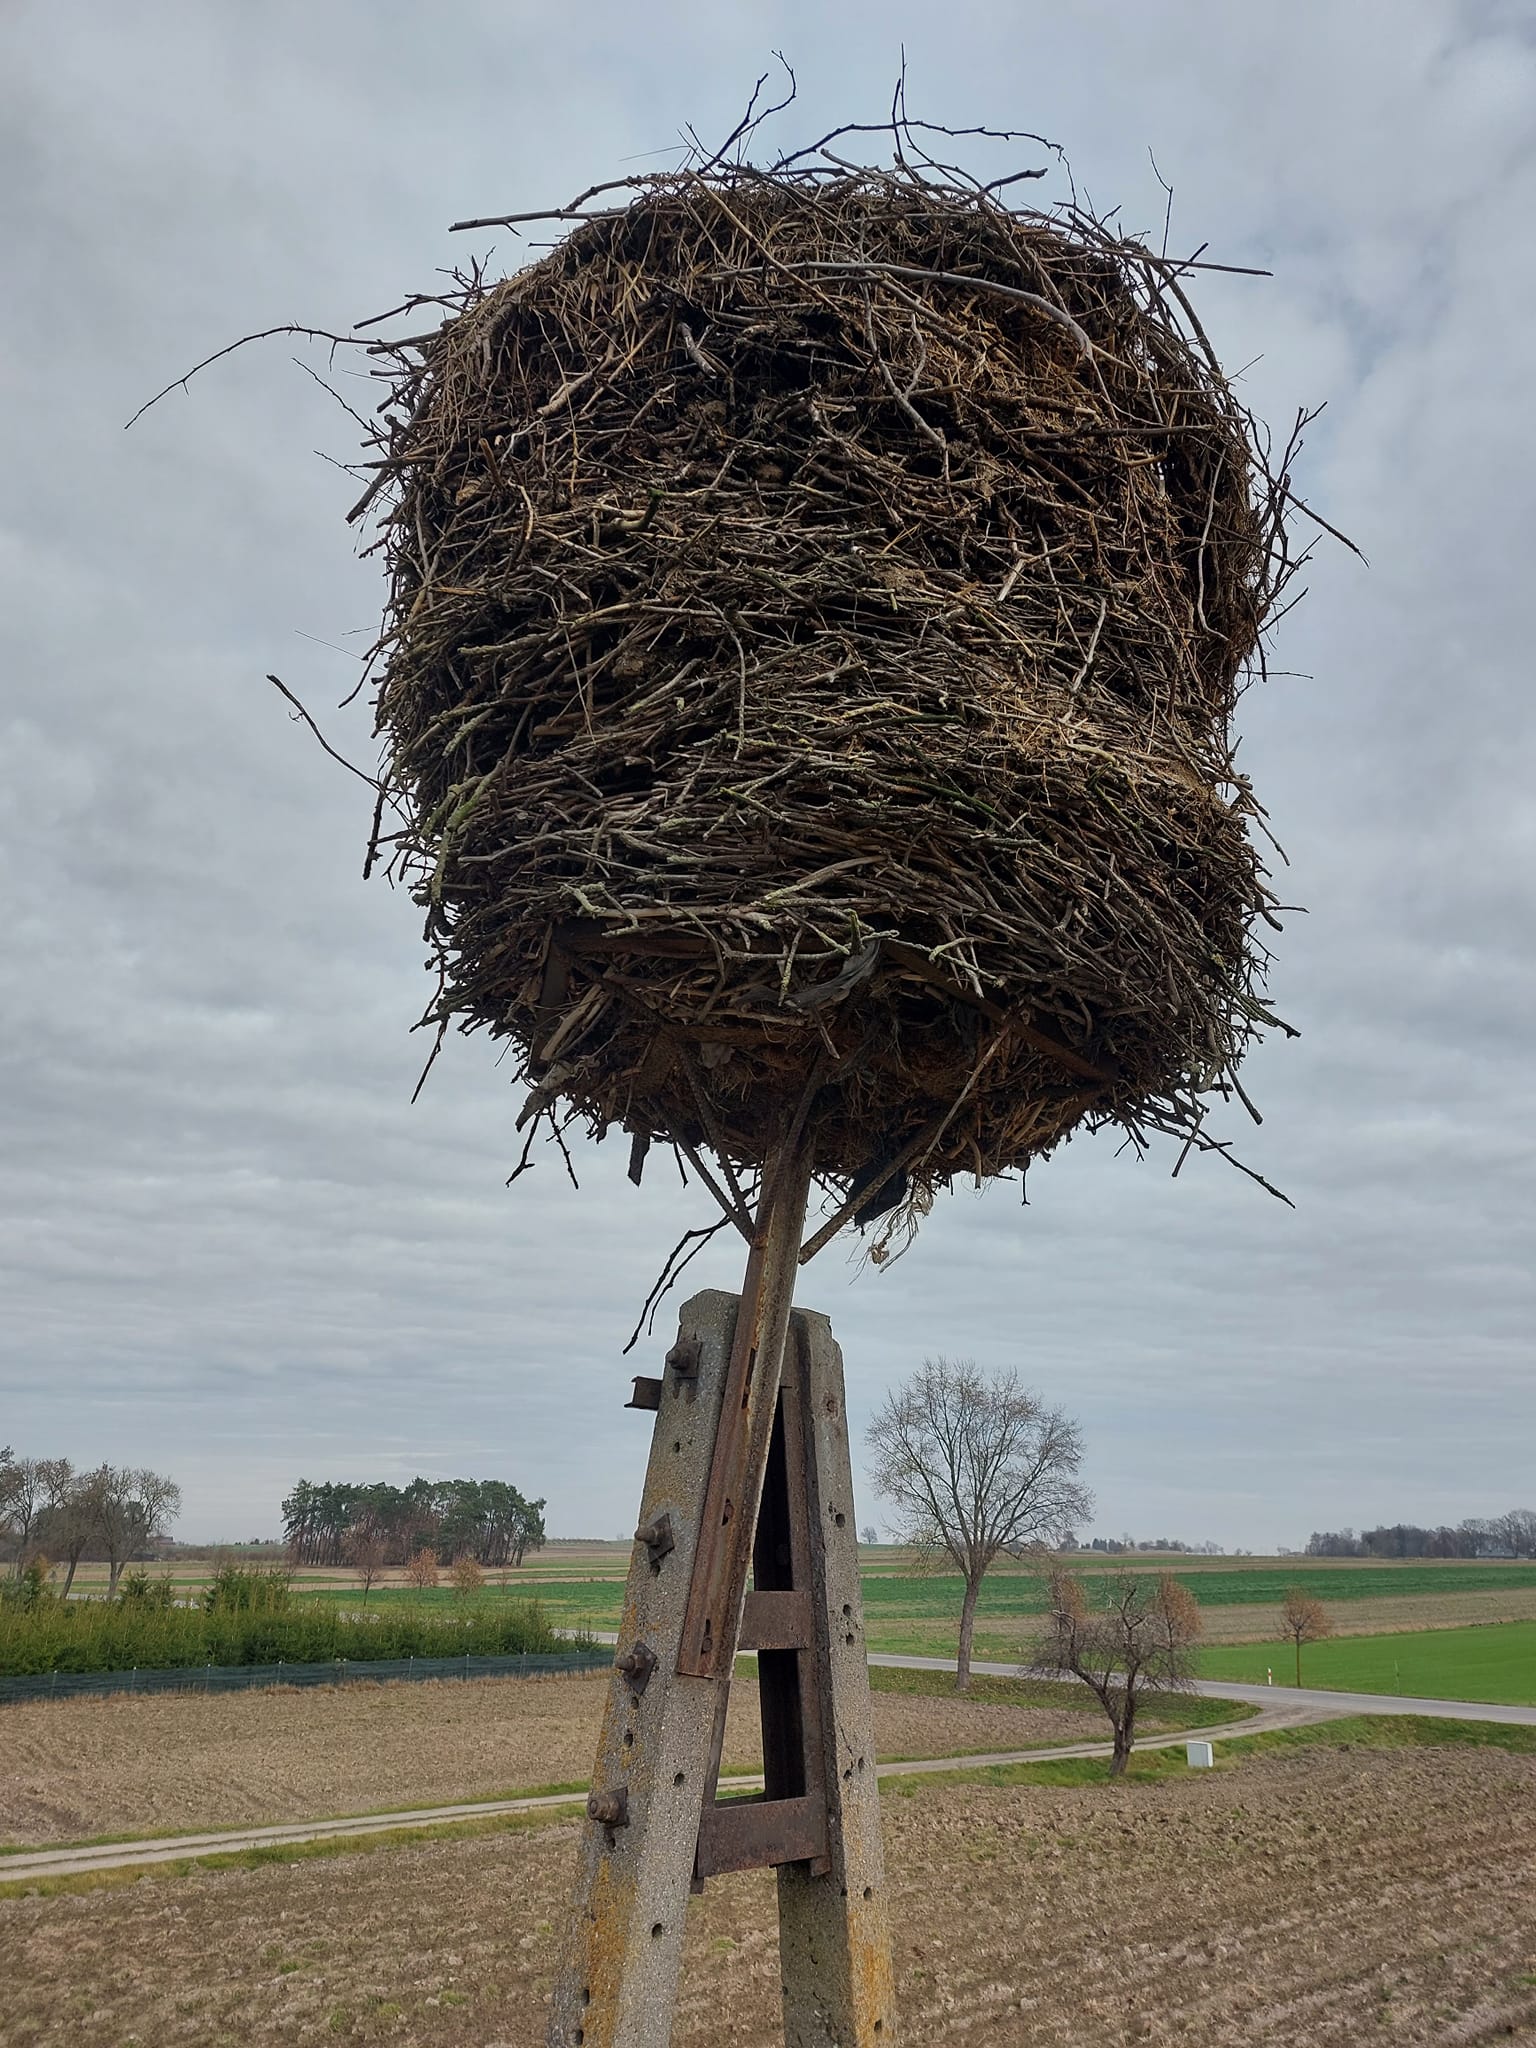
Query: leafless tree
{"points": [[1516, 1532], [365, 1549], [975, 1466], [21, 1497], [1303, 1619], [135, 1506], [421, 1570], [466, 1574], [30, 1490], [1138, 1638], [73, 1526]]}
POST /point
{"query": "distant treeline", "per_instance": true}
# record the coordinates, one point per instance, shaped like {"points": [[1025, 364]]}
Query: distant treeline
{"points": [[486, 1519], [1511, 1535]]}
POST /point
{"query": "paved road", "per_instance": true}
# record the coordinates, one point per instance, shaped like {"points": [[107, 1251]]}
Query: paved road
{"points": [[1266, 1696], [32, 1864], [1273, 1695]]}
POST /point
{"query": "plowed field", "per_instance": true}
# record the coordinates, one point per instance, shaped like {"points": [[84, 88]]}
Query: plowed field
{"points": [[1324, 1898], [74, 1769]]}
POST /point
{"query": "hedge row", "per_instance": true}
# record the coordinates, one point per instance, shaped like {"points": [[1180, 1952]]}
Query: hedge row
{"points": [[98, 1635]]}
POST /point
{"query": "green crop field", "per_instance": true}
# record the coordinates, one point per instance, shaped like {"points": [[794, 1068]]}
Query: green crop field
{"points": [[917, 1613], [1495, 1663], [1266, 1585]]}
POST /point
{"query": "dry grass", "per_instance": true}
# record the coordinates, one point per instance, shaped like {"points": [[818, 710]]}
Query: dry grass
{"points": [[1323, 1898], [80, 1768]]}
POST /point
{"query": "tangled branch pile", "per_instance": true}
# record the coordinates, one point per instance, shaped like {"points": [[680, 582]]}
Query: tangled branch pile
{"points": [[818, 604]]}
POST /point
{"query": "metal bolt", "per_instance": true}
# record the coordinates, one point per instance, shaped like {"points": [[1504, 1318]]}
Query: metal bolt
{"points": [[637, 1665], [611, 1809], [657, 1537], [683, 1358]]}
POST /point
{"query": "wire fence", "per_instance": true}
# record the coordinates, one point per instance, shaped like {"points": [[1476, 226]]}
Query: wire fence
{"points": [[62, 1685]]}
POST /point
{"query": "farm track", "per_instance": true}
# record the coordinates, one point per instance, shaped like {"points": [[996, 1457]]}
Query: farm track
{"points": [[88, 1858]]}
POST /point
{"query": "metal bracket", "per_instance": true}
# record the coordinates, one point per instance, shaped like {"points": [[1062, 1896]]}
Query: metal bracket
{"points": [[637, 1664], [658, 1539]]}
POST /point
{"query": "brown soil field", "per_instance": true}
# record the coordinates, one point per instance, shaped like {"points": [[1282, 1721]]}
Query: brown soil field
{"points": [[74, 1769], [1323, 1898], [1002, 1641], [1391, 1615]]}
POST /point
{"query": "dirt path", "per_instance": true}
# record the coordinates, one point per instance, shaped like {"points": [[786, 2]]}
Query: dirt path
{"points": [[98, 1856]]}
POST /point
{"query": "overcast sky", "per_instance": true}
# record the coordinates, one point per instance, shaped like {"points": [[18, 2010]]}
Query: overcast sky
{"points": [[230, 1246]]}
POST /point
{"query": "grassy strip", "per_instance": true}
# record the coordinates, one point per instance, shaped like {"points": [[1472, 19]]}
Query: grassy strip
{"points": [[1145, 1764], [263, 1854], [1169, 1710], [1354, 1731], [1384, 1731], [1492, 1661]]}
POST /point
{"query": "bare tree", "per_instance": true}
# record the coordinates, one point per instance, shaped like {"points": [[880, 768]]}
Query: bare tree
{"points": [[30, 1490], [135, 1506], [1303, 1619], [421, 1570], [21, 1501], [1140, 1638], [74, 1524], [975, 1466], [466, 1574], [365, 1549]]}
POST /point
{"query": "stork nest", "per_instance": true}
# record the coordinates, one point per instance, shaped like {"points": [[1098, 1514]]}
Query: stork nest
{"points": [[818, 605]]}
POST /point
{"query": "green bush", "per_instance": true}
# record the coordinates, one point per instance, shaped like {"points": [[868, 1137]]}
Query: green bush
{"points": [[138, 1589], [241, 1589], [29, 1591], [100, 1635]]}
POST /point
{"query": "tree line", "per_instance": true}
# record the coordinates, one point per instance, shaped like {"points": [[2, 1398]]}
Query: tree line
{"points": [[111, 1513], [485, 1519], [1511, 1535]]}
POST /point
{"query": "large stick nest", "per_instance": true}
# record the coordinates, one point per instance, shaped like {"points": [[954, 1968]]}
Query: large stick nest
{"points": [[818, 606]]}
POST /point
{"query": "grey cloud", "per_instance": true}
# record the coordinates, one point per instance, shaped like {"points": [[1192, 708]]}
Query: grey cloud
{"points": [[233, 1248]]}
